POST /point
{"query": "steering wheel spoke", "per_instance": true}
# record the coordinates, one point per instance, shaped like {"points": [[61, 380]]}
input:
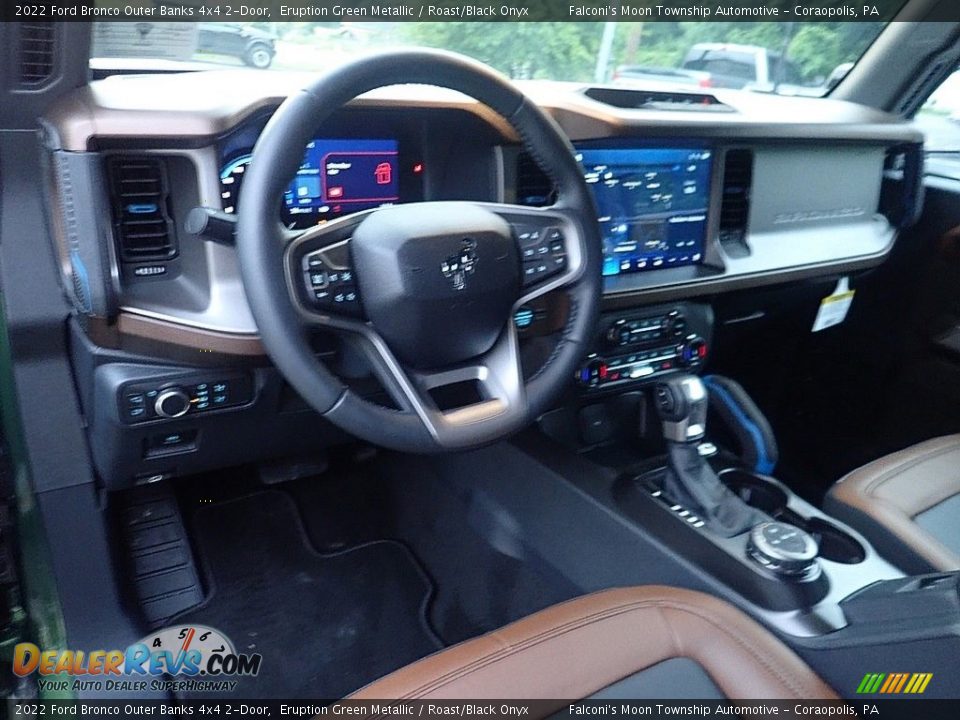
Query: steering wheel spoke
{"points": [[493, 384]]}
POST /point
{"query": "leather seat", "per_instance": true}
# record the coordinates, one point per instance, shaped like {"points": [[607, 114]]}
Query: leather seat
{"points": [[628, 643], [907, 504]]}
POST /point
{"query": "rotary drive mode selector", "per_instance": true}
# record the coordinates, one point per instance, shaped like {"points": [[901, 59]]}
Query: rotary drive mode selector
{"points": [[172, 403], [783, 549]]}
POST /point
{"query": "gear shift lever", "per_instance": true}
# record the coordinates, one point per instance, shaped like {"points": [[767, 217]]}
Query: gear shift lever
{"points": [[682, 405], [690, 481]]}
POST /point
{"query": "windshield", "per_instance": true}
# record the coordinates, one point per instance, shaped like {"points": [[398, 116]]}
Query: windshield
{"points": [[783, 57]]}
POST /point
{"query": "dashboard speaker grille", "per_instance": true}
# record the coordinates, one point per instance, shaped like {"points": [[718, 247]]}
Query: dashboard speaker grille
{"points": [[735, 206], [38, 52], [534, 188], [140, 200]]}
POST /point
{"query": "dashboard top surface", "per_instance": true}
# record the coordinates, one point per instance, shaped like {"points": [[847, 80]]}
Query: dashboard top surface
{"points": [[210, 103]]}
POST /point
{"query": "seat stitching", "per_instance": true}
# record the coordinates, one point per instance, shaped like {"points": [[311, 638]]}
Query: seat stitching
{"points": [[759, 655], [890, 473]]}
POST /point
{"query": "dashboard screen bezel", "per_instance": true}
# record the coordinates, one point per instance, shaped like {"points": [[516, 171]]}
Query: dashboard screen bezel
{"points": [[671, 145], [348, 124], [712, 264]]}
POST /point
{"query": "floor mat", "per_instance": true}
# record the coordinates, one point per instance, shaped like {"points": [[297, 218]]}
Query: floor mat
{"points": [[325, 624]]}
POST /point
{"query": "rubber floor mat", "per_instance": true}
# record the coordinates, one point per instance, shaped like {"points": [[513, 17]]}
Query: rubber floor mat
{"points": [[325, 624]]}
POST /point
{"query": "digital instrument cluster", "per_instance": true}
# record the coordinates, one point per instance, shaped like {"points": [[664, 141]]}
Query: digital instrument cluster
{"points": [[652, 205], [337, 177]]}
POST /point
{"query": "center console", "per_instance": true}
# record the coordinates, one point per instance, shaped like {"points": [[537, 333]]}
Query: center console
{"points": [[743, 527], [692, 508]]}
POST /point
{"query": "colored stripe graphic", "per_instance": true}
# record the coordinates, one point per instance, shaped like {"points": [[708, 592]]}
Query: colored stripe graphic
{"points": [[894, 683], [903, 681]]}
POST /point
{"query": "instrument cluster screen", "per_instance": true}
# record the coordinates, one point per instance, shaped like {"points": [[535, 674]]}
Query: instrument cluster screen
{"points": [[652, 205], [339, 177]]}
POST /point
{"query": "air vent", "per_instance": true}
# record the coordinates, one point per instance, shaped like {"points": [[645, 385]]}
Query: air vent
{"points": [[735, 205], [38, 47], [141, 215], [657, 100], [901, 193], [534, 188]]}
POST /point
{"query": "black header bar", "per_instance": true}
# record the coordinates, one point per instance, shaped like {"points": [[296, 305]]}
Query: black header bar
{"points": [[451, 10]]}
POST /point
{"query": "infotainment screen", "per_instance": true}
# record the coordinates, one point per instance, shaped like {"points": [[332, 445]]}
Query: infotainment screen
{"points": [[343, 176], [652, 205]]}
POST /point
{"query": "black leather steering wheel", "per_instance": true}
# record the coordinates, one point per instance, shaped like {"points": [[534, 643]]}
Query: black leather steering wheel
{"points": [[429, 289]]}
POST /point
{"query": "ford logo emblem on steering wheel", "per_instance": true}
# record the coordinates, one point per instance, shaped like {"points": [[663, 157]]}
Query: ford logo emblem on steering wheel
{"points": [[457, 267]]}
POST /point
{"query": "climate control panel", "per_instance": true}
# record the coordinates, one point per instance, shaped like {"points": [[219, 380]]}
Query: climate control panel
{"points": [[640, 345]]}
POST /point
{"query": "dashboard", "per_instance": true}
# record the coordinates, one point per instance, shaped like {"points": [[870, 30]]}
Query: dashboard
{"points": [[691, 204]]}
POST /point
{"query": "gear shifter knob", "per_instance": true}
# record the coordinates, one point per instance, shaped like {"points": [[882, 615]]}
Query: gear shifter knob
{"points": [[682, 405]]}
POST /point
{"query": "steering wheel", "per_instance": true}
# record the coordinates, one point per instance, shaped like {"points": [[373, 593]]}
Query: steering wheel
{"points": [[429, 289]]}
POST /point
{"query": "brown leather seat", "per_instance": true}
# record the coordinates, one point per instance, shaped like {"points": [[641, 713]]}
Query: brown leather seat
{"points": [[907, 504], [652, 641]]}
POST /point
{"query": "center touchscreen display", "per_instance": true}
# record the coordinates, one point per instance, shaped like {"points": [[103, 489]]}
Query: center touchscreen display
{"points": [[343, 176], [652, 205]]}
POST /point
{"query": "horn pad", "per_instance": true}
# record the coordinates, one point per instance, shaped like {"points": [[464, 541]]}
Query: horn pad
{"points": [[438, 280]]}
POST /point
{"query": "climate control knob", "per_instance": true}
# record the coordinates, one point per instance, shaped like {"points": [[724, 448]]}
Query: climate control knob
{"points": [[694, 351], [172, 402]]}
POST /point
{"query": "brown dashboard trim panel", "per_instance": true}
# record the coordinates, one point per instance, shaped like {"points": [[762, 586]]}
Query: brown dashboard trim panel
{"points": [[202, 340]]}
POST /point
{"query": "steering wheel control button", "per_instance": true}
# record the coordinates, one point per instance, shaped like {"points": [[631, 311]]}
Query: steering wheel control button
{"points": [[331, 288], [783, 549], [543, 253], [529, 238]]}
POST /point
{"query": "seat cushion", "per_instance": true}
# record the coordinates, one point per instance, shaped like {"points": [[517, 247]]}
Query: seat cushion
{"points": [[907, 504], [609, 640]]}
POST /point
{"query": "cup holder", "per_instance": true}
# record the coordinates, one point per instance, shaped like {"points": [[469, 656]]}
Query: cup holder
{"points": [[835, 544], [755, 491]]}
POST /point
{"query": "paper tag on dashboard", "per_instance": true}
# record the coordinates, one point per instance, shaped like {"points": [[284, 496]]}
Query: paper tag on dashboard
{"points": [[834, 307]]}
